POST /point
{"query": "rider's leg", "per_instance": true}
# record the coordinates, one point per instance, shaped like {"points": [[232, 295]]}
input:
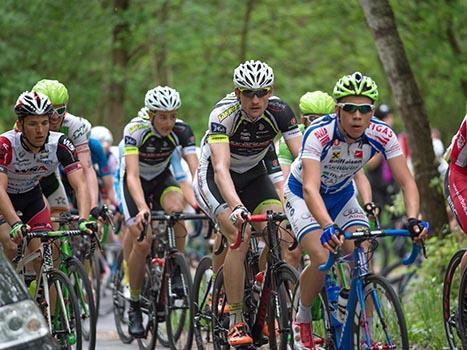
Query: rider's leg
{"points": [[172, 201]]}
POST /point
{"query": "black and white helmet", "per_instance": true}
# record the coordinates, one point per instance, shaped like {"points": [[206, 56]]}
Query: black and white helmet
{"points": [[162, 98], [33, 103], [253, 75]]}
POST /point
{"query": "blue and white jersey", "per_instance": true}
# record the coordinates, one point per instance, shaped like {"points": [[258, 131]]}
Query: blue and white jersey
{"points": [[339, 160]]}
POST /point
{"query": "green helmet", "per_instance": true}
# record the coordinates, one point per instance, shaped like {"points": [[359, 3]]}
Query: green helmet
{"points": [[53, 89], [356, 84], [317, 102]]}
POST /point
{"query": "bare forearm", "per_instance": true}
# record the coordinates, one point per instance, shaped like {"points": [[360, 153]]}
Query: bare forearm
{"points": [[411, 199], [84, 205], [92, 185], [109, 186], [227, 188], [363, 187], [6, 208]]}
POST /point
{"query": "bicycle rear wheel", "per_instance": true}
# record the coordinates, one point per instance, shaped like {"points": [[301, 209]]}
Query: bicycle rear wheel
{"points": [[83, 290], [387, 328], [451, 287], [66, 321], [202, 286], [120, 301], [180, 303], [279, 317]]}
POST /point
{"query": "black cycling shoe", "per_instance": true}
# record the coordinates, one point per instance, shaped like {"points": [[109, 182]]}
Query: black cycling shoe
{"points": [[135, 321]]}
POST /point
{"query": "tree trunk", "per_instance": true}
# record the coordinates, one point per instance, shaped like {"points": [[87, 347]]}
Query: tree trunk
{"points": [[115, 117], [380, 19], [160, 57], [246, 24]]}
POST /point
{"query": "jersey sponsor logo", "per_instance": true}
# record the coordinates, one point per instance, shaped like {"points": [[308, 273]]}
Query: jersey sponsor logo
{"points": [[228, 112], [5, 153], [385, 133], [82, 130], [322, 136], [358, 153], [293, 121], [218, 128], [335, 155], [460, 141], [34, 169], [137, 127], [130, 141], [69, 144], [260, 126]]}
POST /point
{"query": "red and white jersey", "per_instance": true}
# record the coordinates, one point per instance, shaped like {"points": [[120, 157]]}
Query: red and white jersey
{"points": [[25, 168], [339, 160], [459, 149]]}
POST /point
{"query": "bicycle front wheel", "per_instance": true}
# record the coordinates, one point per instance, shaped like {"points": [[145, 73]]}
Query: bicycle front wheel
{"points": [[381, 324], [462, 312], [83, 290], [451, 286], [65, 315], [279, 318], [179, 303], [202, 288]]}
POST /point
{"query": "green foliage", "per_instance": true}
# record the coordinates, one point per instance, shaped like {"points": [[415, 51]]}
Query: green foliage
{"points": [[194, 46], [423, 302]]}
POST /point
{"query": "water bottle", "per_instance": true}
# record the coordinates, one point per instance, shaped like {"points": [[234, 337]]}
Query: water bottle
{"points": [[342, 304], [332, 290], [158, 267], [258, 286]]}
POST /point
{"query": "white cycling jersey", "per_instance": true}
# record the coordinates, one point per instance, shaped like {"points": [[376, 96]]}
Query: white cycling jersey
{"points": [[25, 168], [340, 161], [77, 129]]}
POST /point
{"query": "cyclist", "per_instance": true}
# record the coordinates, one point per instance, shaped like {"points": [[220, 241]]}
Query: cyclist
{"points": [[77, 130], [457, 180], [319, 192], [147, 182], [27, 155], [105, 161], [232, 180]]}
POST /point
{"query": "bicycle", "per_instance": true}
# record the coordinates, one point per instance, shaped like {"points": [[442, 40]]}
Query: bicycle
{"points": [[267, 309], [76, 272], [372, 317], [52, 288], [455, 302], [161, 303]]}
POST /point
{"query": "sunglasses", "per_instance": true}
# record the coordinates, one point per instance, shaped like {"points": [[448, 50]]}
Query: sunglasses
{"points": [[352, 107], [251, 93], [311, 117], [60, 110]]}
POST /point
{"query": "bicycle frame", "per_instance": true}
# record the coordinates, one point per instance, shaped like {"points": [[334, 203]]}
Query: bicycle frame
{"points": [[343, 333]]}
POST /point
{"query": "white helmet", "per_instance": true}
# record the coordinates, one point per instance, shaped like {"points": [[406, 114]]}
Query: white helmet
{"points": [[162, 98], [253, 75], [102, 134], [143, 113], [33, 103]]}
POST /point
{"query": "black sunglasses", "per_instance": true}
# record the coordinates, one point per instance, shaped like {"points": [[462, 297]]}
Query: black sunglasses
{"points": [[251, 93], [352, 107]]}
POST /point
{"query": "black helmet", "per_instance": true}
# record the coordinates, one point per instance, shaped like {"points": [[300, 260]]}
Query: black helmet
{"points": [[382, 111]]}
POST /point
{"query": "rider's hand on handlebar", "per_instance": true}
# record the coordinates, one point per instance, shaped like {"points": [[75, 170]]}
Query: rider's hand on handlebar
{"points": [[332, 237], [140, 218], [372, 210], [16, 231], [238, 215], [418, 228], [87, 226]]}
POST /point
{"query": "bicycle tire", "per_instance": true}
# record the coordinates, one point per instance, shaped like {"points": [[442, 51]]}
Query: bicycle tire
{"points": [[220, 319], [279, 317], [202, 284], [179, 324], [462, 309], [86, 300], [450, 299], [379, 288], [149, 309], [59, 331], [120, 303]]}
